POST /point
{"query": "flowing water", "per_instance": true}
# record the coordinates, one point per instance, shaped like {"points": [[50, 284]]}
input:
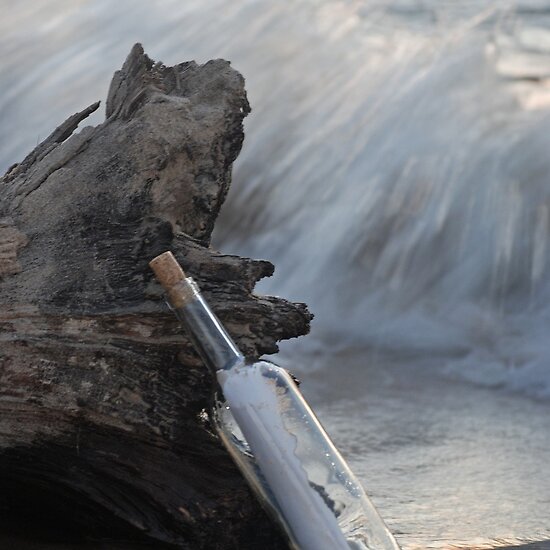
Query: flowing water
{"points": [[396, 171]]}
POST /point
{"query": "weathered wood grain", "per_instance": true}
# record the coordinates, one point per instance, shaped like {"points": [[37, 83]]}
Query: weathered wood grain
{"points": [[101, 394]]}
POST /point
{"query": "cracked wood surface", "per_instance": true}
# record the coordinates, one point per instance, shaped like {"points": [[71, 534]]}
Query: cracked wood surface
{"points": [[100, 392]]}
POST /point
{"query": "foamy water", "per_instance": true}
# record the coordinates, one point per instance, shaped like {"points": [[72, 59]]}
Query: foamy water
{"points": [[396, 171]]}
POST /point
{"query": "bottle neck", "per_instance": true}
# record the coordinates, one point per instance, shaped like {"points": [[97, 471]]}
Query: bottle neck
{"points": [[210, 339]]}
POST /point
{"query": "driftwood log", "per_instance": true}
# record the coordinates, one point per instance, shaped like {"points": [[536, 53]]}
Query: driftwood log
{"points": [[103, 434]]}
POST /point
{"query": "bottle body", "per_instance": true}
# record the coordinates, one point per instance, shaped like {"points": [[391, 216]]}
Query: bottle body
{"points": [[274, 437], [293, 457]]}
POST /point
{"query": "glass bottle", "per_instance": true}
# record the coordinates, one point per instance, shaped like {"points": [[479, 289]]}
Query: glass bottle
{"points": [[274, 437]]}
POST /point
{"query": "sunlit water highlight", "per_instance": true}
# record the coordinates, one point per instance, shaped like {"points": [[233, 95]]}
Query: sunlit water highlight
{"points": [[396, 170]]}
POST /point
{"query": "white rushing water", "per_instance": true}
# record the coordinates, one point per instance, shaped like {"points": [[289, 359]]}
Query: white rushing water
{"points": [[396, 171]]}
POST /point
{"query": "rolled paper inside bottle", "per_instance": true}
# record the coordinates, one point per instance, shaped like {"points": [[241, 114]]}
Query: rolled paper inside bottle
{"points": [[179, 289], [255, 404]]}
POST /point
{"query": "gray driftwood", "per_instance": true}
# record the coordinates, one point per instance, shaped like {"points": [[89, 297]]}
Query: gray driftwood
{"points": [[101, 432]]}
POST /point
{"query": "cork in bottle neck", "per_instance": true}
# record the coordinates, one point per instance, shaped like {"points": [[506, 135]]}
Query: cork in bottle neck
{"points": [[180, 290]]}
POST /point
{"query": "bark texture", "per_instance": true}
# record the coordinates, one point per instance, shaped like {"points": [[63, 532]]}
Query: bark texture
{"points": [[101, 432]]}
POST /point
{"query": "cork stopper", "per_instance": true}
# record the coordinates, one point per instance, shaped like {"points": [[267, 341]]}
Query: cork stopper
{"points": [[167, 270], [179, 289]]}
